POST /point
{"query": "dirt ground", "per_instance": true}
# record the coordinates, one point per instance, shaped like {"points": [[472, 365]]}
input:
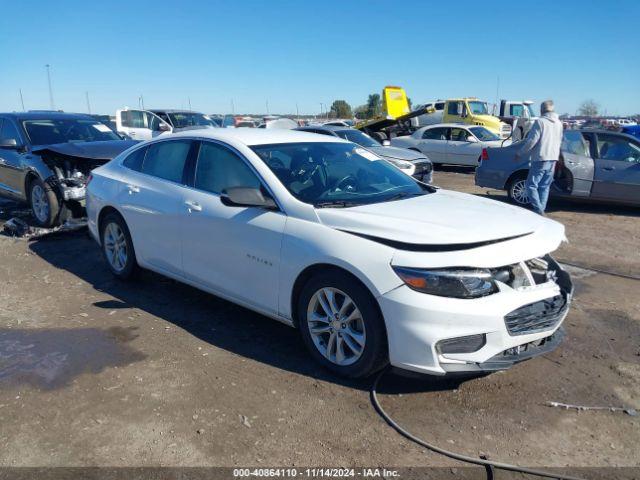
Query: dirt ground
{"points": [[95, 372]]}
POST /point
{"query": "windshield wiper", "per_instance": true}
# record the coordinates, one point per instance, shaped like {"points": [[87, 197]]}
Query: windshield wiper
{"points": [[401, 195], [335, 204]]}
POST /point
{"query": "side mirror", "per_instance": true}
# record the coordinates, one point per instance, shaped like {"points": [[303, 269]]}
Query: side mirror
{"points": [[246, 197], [386, 143], [164, 127], [471, 138], [10, 143]]}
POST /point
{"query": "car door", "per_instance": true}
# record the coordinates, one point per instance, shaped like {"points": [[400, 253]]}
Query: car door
{"points": [[134, 123], [231, 250], [461, 151], [152, 201], [576, 157], [617, 168], [434, 144], [12, 153]]}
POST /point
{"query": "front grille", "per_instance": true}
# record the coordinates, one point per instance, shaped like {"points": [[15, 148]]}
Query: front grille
{"points": [[536, 317]]}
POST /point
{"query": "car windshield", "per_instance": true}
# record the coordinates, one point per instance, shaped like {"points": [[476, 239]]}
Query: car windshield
{"points": [[336, 174], [483, 134], [190, 119], [356, 136], [478, 108], [67, 130]]}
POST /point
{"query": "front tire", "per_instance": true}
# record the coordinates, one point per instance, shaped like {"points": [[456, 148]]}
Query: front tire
{"points": [[117, 247], [45, 207], [517, 190], [341, 325]]}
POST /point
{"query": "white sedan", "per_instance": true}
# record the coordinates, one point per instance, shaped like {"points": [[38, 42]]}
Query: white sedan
{"points": [[370, 265], [450, 143]]}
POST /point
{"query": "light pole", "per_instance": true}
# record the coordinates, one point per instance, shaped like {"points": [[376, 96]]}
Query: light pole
{"points": [[321, 109], [51, 104], [21, 99], [88, 104]]}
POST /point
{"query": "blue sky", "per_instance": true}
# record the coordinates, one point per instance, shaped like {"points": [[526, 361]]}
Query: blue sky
{"points": [[288, 52]]}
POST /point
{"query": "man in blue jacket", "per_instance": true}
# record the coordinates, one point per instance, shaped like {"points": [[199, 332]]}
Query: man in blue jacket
{"points": [[543, 144]]}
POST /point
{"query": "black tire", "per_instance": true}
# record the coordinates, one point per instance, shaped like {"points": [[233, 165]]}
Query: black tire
{"points": [[52, 215], [130, 268], [513, 189], [375, 354]]}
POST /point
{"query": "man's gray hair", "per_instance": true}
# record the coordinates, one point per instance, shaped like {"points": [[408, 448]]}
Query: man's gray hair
{"points": [[546, 107]]}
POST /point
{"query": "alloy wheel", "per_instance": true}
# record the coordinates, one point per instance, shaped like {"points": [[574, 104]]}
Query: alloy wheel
{"points": [[39, 203], [336, 326], [115, 247], [519, 192]]}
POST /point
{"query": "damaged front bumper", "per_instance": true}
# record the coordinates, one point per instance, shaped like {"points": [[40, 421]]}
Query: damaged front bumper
{"points": [[442, 335]]}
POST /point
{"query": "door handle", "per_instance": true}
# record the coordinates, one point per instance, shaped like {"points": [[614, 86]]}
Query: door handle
{"points": [[133, 189], [608, 169], [193, 206], [571, 163]]}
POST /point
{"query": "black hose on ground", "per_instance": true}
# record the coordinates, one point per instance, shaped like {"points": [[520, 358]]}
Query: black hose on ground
{"points": [[488, 464], [604, 272]]}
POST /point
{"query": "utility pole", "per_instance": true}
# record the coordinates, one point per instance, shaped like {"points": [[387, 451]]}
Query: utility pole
{"points": [[267, 107], [497, 90], [21, 99], [51, 104], [88, 104], [321, 108], [189, 100], [297, 111], [141, 101], [233, 108]]}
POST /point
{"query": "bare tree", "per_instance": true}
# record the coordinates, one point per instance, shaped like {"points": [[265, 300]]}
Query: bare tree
{"points": [[589, 108]]}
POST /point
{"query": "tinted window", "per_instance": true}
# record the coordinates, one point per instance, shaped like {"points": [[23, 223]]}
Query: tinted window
{"points": [[452, 109], [218, 169], [166, 159], [516, 110], [67, 130], [135, 159], [439, 106], [9, 132], [133, 119], [613, 147], [435, 134]]}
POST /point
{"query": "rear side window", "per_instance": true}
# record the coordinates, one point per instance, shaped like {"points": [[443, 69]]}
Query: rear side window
{"points": [[9, 132], [135, 159], [218, 169], [133, 119], [452, 109], [435, 134], [167, 159]]}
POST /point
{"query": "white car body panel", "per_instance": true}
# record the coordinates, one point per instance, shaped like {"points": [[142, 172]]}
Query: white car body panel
{"points": [[253, 257]]}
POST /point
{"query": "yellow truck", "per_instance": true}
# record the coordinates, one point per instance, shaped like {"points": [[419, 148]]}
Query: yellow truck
{"points": [[467, 110]]}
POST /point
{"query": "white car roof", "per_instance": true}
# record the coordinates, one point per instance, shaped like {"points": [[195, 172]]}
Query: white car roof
{"points": [[256, 136], [447, 125]]}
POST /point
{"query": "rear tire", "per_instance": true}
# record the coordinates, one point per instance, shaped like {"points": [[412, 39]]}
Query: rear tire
{"points": [[117, 247], [44, 204], [517, 190], [350, 339]]}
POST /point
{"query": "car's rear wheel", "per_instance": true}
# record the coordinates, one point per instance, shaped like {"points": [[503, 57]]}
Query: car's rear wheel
{"points": [[117, 246], [517, 190], [45, 207], [341, 325]]}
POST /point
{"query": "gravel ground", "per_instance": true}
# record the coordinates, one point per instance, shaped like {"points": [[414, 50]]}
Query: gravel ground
{"points": [[95, 372]]}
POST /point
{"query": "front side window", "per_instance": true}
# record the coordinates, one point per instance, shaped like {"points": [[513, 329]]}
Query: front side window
{"points": [[459, 135], [335, 174], [166, 160], [435, 134], [219, 169], [9, 132], [134, 160], [190, 119], [133, 119], [483, 134], [453, 108], [478, 108], [67, 130], [574, 143], [613, 147]]}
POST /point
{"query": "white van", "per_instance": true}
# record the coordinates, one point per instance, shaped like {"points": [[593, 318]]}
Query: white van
{"points": [[147, 124]]}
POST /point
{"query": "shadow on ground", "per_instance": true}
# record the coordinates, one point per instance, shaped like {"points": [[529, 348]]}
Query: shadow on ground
{"points": [[211, 319]]}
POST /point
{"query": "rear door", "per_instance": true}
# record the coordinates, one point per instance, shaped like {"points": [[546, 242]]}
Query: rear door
{"points": [[152, 200], [577, 158], [461, 151], [434, 144], [617, 168]]}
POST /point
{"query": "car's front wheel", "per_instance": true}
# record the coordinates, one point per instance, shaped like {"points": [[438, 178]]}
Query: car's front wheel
{"points": [[517, 190], [117, 246], [45, 207], [341, 325]]}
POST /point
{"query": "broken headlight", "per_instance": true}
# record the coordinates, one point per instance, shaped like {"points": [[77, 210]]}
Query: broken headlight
{"points": [[449, 282]]}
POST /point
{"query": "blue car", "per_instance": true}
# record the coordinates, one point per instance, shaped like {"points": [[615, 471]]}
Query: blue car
{"points": [[633, 130]]}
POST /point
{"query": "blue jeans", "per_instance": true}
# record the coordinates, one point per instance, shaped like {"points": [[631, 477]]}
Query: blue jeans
{"points": [[538, 184]]}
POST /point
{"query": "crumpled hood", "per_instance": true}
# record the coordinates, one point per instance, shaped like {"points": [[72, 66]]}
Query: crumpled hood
{"points": [[105, 150], [397, 153], [441, 218]]}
